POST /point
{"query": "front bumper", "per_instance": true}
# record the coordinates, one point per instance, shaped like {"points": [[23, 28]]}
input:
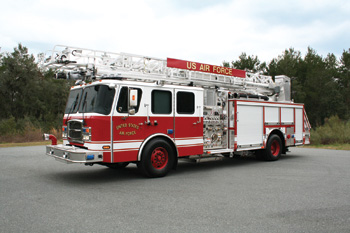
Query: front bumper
{"points": [[71, 154]]}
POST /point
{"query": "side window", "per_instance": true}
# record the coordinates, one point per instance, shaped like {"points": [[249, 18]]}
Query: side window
{"points": [[122, 106], [161, 102], [185, 102]]}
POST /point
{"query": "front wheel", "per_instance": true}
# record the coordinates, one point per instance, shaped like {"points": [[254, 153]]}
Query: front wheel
{"points": [[157, 158]]}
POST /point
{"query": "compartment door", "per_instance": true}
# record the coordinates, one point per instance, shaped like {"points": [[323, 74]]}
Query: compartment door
{"points": [[249, 126], [298, 126]]}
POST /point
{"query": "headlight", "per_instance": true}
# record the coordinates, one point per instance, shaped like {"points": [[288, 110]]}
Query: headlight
{"points": [[64, 132], [86, 134]]}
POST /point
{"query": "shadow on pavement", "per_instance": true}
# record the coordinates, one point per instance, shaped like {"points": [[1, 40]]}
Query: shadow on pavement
{"points": [[101, 174]]}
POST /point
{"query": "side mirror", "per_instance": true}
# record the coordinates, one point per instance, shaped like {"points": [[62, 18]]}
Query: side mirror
{"points": [[133, 98], [132, 111]]}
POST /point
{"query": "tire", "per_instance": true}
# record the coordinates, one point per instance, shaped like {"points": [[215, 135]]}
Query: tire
{"points": [[117, 165], [273, 148], [157, 158]]}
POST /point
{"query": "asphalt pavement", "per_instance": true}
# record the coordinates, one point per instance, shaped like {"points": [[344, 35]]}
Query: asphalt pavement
{"points": [[307, 190]]}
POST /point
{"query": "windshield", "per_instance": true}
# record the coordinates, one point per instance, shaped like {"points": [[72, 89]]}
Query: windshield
{"points": [[73, 101], [97, 99]]}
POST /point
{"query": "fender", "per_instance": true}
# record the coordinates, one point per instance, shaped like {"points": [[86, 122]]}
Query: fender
{"points": [[153, 136], [279, 133]]}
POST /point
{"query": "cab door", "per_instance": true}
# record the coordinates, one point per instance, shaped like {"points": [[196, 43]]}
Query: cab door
{"points": [[159, 105], [189, 121], [128, 123]]}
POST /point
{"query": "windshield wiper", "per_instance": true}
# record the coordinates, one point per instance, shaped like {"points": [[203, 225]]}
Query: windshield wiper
{"points": [[74, 104], [84, 108]]}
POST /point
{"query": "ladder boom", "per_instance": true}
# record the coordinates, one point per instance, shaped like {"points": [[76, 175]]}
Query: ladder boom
{"points": [[93, 64]]}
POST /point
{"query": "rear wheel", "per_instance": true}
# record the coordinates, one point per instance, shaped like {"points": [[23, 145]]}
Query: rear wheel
{"points": [[157, 158], [273, 148]]}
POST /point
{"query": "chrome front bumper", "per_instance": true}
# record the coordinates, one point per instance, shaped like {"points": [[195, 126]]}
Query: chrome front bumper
{"points": [[71, 154]]}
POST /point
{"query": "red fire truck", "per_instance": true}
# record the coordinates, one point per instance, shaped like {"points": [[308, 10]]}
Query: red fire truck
{"points": [[153, 112]]}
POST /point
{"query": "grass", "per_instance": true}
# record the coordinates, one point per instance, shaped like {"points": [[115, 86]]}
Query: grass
{"points": [[29, 137], [331, 146], [334, 132], [42, 143]]}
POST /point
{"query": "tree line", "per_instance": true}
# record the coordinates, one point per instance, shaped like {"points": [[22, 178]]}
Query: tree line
{"points": [[29, 96]]}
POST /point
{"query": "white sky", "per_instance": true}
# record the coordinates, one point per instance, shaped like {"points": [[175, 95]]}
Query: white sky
{"points": [[207, 31]]}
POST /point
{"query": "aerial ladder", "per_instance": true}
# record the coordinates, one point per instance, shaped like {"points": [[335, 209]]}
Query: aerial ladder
{"points": [[87, 64]]}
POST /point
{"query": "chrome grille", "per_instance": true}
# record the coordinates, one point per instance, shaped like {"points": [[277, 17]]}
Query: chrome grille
{"points": [[75, 131]]}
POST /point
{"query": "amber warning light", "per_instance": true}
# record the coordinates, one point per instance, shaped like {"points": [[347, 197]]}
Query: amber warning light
{"points": [[195, 66]]}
